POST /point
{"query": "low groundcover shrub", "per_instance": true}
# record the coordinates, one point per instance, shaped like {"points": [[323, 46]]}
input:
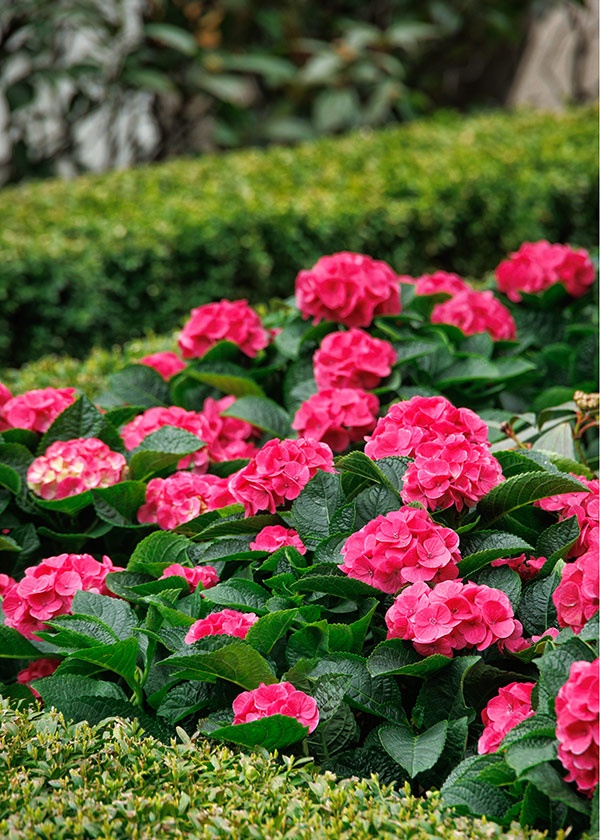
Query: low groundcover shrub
{"points": [[363, 529]]}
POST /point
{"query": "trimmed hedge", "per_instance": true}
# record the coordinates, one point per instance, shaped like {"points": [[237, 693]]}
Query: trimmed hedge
{"points": [[111, 781], [105, 258]]}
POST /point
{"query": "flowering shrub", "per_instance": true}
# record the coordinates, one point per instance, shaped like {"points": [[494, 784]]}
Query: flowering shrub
{"points": [[337, 416], [352, 359], [278, 699], [447, 552], [348, 288], [35, 410], [69, 467], [476, 312], [226, 320], [509, 707], [577, 725], [538, 265], [225, 622], [166, 362]]}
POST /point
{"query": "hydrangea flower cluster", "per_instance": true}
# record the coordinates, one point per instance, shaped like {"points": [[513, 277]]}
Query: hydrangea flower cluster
{"points": [[348, 288], [577, 725], [224, 320], [451, 616], [166, 363], [5, 396], [476, 312], [272, 537], [400, 547], [225, 622], [586, 507], [172, 501], [352, 359], [452, 465], [35, 410], [206, 576], [69, 467], [526, 566], [5, 583], [576, 597], [35, 671], [277, 699], [509, 707], [337, 416], [439, 281], [538, 265], [47, 589], [278, 472]]}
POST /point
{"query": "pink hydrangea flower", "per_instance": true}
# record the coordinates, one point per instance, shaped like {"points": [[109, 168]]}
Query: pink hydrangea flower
{"points": [[585, 505], [337, 416], [277, 699], [577, 725], [69, 467], [47, 589], [5, 395], [439, 281], [6, 582], [273, 537], [517, 642], [451, 616], [420, 420], [352, 359], [166, 363], [225, 622], [538, 265], [476, 312], [278, 473], [225, 320], [36, 410], [35, 671], [197, 575], [509, 707], [183, 496], [524, 565], [400, 547], [454, 471], [348, 288], [576, 597]]}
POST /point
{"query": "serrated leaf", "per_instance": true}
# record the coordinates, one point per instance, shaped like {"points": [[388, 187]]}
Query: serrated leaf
{"points": [[554, 543], [81, 419], [521, 490], [329, 580], [10, 479], [264, 634], [442, 695], [15, 646], [158, 550], [160, 450], [120, 658], [227, 377], [315, 507], [479, 549], [119, 504], [373, 502], [549, 781], [537, 611], [137, 385], [116, 614], [238, 593], [523, 755], [235, 661], [274, 732], [263, 413], [357, 463], [503, 578], [395, 656], [414, 753]]}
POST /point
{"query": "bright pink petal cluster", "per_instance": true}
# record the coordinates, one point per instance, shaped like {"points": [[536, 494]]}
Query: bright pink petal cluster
{"points": [[69, 467], [538, 265], [348, 288], [451, 616], [225, 622], [277, 699], [35, 410], [476, 312], [224, 320], [183, 496], [400, 547], [6, 582], [526, 566], [337, 416], [197, 575], [352, 359], [576, 597], [576, 708], [47, 589], [35, 671], [278, 473], [439, 281], [517, 643], [273, 537], [509, 707], [226, 438], [586, 507], [166, 363], [5, 396]]}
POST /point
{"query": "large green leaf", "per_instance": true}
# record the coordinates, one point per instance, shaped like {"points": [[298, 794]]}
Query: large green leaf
{"points": [[263, 413], [395, 656], [315, 507], [536, 610], [549, 781], [464, 790], [264, 634], [160, 450], [235, 661], [120, 658], [119, 504], [554, 543], [81, 420], [227, 377], [328, 579], [414, 753], [113, 612], [15, 646], [274, 732], [480, 548], [238, 593], [521, 490], [157, 551], [442, 695], [138, 385]]}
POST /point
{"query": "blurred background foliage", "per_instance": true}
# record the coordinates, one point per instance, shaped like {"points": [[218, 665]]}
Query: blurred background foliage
{"points": [[101, 84]]}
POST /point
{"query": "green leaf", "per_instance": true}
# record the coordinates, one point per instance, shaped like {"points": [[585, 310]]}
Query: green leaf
{"points": [[119, 504], [328, 579], [81, 419], [480, 548], [113, 612], [14, 457], [172, 36], [15, 646], [414, 753], [264, 634], [78, 631], [69, 505], [549, 781], [503, 578], [121, 658], [262, 413], [238, 594], [158, 550], [10, 478], [315, 507], [516, 463], [465, 791], [375, 501], [555, 664], [521, 490], [227, 377], [137, 385], [395, 656], [442, 695], [530, 752], [160, 450], [357, 463], [536, 610], [554, 543], [274, 732], [235, 661]]}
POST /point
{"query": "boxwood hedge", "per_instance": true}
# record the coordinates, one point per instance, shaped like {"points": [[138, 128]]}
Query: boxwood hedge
{"points": [[105, 258]]}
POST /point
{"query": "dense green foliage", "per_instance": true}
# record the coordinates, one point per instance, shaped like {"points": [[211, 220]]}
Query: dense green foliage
{"points": [[109, 258], [111, 781]]}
